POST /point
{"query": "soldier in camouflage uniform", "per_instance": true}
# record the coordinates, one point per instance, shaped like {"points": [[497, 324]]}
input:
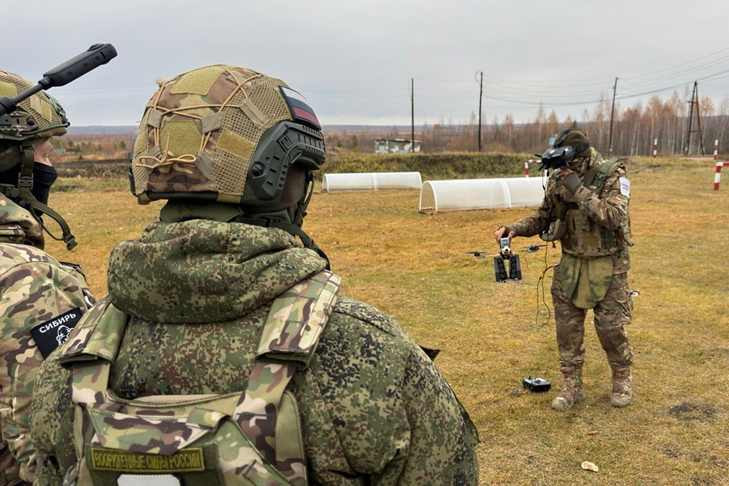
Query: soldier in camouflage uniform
{"points": [[586, 208], [224, 327], [41, 299]]}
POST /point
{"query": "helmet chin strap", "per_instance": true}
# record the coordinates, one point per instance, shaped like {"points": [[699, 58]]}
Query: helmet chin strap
{"points": [[23, 193], [289, 220]]}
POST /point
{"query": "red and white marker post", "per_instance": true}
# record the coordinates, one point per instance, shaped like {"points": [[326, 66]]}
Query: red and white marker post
{"points": [[655, 148], [526, 168], [717, 173], [716, 149]]}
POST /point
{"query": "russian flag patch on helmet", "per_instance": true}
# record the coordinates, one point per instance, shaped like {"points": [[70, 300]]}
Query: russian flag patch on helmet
{"points": [[300, 110]]}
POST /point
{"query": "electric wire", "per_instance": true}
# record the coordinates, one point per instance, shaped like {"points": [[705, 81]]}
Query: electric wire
{"points": [[712, 67], [712, 60], [631, 95], [540, 288]]}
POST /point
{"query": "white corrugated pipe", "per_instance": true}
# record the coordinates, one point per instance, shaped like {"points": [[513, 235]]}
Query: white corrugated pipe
{"points": [[465, 194], [371, 181]]}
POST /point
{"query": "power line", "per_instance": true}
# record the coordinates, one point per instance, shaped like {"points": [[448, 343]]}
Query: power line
{"points": [[707, 61], [713, 76], [633, 89]]}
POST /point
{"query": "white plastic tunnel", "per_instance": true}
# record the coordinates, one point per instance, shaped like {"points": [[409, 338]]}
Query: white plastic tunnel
{"points": [[465, 194], [371, 181]]}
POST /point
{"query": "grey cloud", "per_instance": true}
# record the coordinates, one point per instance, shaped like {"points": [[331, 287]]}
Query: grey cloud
{"points": [[354, 59]]}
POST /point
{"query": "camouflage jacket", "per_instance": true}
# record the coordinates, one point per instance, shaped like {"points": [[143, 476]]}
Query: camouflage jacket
{"points": [[374, 408], [35, 289], [597, 216]]}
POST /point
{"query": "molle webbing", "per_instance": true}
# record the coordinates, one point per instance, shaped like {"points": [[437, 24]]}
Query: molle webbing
{"points": [[270, 451], [585, 238], [597, 175]]}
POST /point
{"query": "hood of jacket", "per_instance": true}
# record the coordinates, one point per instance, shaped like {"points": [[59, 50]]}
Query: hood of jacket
{"points": [[204, 271]]}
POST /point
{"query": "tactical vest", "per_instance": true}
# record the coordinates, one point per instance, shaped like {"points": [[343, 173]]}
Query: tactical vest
{"points": [[584, 237], [251, 437]]}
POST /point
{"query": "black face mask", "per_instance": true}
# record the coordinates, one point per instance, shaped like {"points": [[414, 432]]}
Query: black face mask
{"points": [[43, 178]]}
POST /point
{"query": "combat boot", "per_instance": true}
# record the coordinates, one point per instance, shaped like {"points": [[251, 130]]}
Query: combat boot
{"points": [[571, 391], [622, 387]]}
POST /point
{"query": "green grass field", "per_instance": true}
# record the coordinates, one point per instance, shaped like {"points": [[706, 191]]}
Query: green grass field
{"points": [[415, 267]]}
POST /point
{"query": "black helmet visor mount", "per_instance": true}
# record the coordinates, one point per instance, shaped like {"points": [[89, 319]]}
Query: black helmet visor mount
{"points": [[285, 144]]}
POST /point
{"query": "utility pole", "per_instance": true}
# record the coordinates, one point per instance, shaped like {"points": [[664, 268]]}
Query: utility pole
{"points": [[480, 98], [412, 114], [687, 149], [694, 105], [698, 118], [612, 115]]}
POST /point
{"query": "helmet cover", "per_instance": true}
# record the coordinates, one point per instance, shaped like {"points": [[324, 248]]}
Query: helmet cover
{"points": [[201, 131], [36, 117]]}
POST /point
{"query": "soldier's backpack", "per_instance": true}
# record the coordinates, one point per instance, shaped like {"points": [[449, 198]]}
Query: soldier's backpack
{"points": [[252, 437]]}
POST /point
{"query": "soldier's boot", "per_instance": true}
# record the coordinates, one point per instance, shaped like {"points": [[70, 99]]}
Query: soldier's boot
{"points": [[622, 394], [571, 391]]}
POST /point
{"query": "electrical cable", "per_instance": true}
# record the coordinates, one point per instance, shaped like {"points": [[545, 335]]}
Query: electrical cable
{"points": [[540, 286], [712, 77]]}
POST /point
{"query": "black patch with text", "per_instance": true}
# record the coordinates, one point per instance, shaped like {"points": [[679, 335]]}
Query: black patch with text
{"points": [[51, 334]]}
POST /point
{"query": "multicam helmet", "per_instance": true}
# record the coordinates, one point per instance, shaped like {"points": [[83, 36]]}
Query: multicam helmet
{"points": [[226, 134], [36, 117]]}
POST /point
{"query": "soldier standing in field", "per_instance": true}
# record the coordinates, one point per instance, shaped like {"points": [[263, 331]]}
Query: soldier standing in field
{"points": [[40, 297], [225, 352], [586, 207]]}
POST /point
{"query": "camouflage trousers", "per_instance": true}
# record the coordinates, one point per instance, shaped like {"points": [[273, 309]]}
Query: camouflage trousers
{"points": [[612, 313]]}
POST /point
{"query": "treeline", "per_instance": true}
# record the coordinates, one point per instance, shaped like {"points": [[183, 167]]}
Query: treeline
{"points": [[635, 129], [91, 147]]}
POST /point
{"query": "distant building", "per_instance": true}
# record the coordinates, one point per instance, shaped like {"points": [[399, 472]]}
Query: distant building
{"points": [[395, 145]]}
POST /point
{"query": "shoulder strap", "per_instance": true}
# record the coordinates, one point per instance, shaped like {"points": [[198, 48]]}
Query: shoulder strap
{"points": [[92, 348], [598, 174], [97, 336], [297, 318], [288, 341]]}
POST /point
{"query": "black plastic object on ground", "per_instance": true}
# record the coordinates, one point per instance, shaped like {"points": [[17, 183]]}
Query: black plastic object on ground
{"points": [[536, 385]]}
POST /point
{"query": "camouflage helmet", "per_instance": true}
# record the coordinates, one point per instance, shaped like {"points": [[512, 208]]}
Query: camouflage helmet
{"points": [[223, 133], [36, 117]]}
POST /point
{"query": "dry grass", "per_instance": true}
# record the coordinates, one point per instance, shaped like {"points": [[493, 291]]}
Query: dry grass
{"points": [[415, 267]]}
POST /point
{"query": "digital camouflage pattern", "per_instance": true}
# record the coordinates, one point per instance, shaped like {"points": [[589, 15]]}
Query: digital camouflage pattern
{"points": [[595, 260], [373, 406], [34, 287], [136, 433], [200, 129]]}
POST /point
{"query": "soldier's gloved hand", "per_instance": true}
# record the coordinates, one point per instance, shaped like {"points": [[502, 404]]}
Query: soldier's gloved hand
{"points": [[570, 180], [502, 232]]}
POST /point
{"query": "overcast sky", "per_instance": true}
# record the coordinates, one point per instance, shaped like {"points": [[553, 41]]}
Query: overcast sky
{"points": [[353, 60]]}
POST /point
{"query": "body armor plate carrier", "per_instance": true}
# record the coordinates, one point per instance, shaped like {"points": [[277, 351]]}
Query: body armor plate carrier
{"points": [[581, 236], [251, 437]]}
